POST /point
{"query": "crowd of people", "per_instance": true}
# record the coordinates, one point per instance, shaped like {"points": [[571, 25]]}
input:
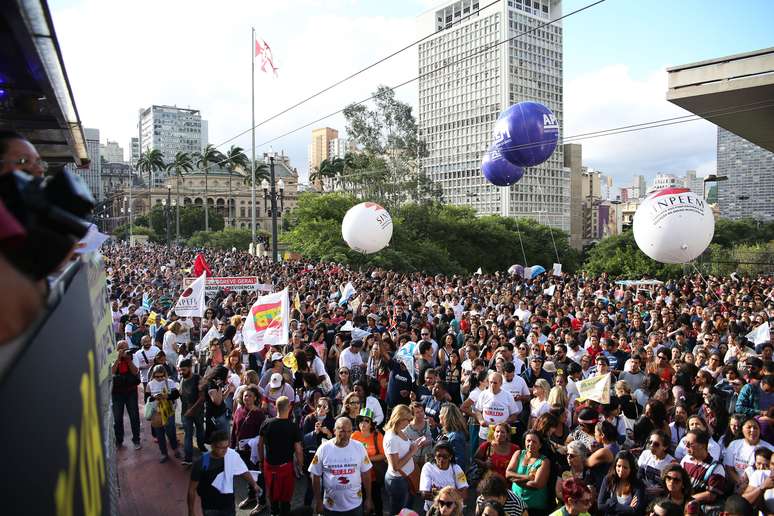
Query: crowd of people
{"points": [[444, 395]]}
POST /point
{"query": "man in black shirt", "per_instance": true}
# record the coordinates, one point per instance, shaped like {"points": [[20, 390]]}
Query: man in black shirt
{"points": [[280, 442], [203, 473], [192, 399]]}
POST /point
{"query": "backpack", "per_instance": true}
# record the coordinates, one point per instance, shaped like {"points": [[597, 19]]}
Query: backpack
{"points": [[728, 486]]}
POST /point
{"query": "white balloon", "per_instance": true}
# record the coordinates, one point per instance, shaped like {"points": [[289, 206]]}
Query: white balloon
{"points": [[673, 225], [367, 228]]}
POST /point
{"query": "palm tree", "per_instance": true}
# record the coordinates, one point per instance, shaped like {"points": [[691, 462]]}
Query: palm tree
{"points": [[209, 156], [180, 165], [235, 158], [317, 175], [151, 161]]}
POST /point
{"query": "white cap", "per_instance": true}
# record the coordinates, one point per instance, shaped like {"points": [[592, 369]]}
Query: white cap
{"points": [[276, 356], [276, 381]]}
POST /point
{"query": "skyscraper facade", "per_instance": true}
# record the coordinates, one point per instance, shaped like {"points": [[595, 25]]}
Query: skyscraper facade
{"points": [[171, 130], [467, 79], [749, 190], [91, 175], [111, 152], [320, 146]]}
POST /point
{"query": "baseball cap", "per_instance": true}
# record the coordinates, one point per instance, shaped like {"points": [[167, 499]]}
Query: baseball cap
{"points": [[276, 381], [276, 356]]}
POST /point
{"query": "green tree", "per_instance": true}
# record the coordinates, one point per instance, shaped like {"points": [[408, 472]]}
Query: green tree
{"points": [[388, 170], [205, 159], [619, 256], [122, 232], [191, 220], [181, 164], [426, 237], [151, 161], [235, 158]]}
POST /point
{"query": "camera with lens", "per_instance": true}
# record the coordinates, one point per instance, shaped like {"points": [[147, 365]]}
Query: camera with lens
{"points": [[53, 210]]}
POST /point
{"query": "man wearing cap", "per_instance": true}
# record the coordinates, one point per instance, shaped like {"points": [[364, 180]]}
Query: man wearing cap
{"points": [[277, 388], [535, 371], [341, 465], [276, 367], [495, 406]]}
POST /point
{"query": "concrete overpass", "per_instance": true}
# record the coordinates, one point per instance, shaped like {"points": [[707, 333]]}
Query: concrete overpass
{"points": [[734, 92], [35, 95]]}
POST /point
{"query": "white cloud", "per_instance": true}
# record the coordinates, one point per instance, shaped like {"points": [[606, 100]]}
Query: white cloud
{"points": [[610, 97], [121, 56]]}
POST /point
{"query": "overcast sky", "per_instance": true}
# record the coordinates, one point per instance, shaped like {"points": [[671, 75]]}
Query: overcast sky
{"points": [[121, 56]]}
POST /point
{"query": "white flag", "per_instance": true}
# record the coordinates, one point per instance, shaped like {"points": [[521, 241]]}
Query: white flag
{"points": [[347, 292], [550, 290], [557, 269], [191, 302], [479, 272], [596, 388], [760, 334], [268, 322]]}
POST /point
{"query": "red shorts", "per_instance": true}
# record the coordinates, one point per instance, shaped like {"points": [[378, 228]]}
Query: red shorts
{"points": [[280, 481]]}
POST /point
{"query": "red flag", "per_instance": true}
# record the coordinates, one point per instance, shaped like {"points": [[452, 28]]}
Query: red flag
{"points": [[200, 266], [266, 55]]}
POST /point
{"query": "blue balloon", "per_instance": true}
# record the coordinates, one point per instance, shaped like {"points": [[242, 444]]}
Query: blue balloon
{"points": [[498, 171], [526, 134]]}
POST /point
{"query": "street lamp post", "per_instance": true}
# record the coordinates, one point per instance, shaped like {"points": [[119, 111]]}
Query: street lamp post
{"points": [[270, 194], [168, 206], [712, 178], [177, 222]]}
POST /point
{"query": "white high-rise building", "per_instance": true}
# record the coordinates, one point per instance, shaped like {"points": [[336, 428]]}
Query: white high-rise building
{"points": [[171, 129], [463, 88], [693, 183], [339, 147], [639, 187], [662, 181], [111, 152]]}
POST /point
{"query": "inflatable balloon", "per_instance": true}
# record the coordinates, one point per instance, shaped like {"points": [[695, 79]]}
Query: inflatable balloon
{"points": [[367, 228], [498, 170], [526, 134], [673, 225]]}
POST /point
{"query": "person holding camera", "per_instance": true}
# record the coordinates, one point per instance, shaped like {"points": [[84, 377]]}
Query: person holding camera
{"points": [[126, 378]]}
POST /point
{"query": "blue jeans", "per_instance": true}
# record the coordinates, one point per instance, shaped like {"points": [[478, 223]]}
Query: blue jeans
{"points": [[171, 434], [128, 400], [189, 423], [398, 490], [354, 512]]}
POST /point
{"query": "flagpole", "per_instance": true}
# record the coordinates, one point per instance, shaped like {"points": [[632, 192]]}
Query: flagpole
{"points": [[252, 103]]}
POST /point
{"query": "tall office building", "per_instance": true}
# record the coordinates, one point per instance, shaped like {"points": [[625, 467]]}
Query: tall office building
{"points": [[170, 129], [639, 186], [749, 190], [92, 175], [134, 146], [573, 160], [320, 146], [339, 147], [111, 152], [693, 182], [662, 181], [467, 79]]}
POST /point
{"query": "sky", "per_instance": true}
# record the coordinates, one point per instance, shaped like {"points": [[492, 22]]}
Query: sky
{"points": [[121, 56]]}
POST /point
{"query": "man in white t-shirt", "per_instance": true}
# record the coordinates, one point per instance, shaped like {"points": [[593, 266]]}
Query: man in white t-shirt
{"points": [[516, 386], [343, 466], [350, 356], [143, 359], [495, 405]]}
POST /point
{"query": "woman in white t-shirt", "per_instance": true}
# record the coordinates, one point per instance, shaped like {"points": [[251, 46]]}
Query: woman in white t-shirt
{"points": [[163, 392], [400, 461], [441, 472], [539, 404], [169, 344], [653, 461], [741, 453]]}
